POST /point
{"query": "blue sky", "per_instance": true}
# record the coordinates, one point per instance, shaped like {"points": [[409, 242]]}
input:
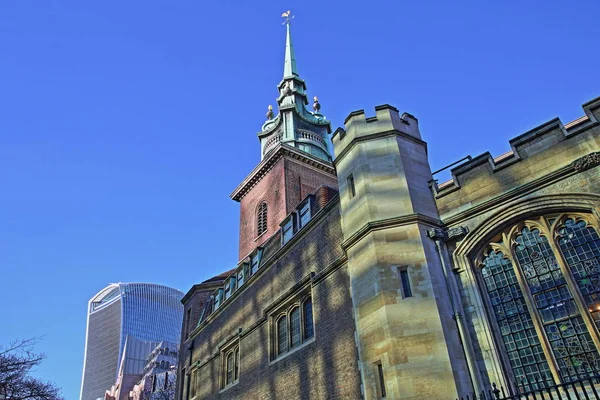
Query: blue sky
{"points": [[124, 126]]}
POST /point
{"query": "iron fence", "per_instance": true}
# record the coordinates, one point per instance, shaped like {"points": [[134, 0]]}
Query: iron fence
{"points": [[581, 389]]}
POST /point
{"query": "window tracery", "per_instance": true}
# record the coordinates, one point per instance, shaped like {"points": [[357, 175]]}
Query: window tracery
{"points": [[542, 279]]}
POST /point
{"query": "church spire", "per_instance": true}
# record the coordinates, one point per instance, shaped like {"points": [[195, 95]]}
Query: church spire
{"points": [[294, 125], [289, 69]]}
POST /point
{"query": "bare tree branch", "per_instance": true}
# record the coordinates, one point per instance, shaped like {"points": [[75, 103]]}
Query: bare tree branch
{"points": [[16, 363]]}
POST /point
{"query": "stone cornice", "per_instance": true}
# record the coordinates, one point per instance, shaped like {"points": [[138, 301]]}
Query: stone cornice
{"points": [[390, 223], [272, 158]]}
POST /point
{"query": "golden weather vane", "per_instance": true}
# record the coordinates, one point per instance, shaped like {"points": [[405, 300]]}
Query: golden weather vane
{"points": [[288, 17]]}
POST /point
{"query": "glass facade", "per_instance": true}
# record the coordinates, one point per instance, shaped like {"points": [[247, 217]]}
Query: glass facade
{"points": [[145, 311]]}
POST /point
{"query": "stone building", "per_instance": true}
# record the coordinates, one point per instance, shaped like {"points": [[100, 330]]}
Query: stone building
{"points": [[360, 276]]}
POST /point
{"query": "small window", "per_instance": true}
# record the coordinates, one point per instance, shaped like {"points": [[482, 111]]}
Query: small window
{"points": [[351, 188], [287, 230], [255, 261], [305, 214], [282, 335], [308, 319], [295, 328], [261, 219], [406, 290], [230, 362], [218, 298], [381, 380], [229, 287], [230, 366], [240, 276], [236, 371]]}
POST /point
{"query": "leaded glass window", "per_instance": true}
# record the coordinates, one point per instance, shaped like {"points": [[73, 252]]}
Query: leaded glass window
{"points": [[296, 334], [308, 319], [282, 335], [569, 339], [544, 277], [516, 326], [580, 245], [236, 373], [230, 362]]}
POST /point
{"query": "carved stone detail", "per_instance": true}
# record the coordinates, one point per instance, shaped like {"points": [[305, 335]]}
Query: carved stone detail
{"points": [[586, 162], [457, 232], [451, 233], [436, 233]]}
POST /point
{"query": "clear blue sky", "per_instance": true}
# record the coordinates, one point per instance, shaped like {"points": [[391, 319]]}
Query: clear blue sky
{"points": [[125, 125]]}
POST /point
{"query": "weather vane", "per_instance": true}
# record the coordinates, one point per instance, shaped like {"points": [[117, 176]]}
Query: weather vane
{"points": [[288, 17]]}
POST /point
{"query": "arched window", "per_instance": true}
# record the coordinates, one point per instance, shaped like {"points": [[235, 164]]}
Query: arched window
{"points": [[230, 365], [261, 219], [295, 328], [580, 245], [537, 285], [308, 319], [229, 368], [236, 372], [282, 342]]}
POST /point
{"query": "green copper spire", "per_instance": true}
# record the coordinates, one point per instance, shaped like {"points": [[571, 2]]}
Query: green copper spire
{"points": [[289, 69]]}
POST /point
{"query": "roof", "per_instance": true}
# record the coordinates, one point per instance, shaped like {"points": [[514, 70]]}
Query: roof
{"points": [[220, 277]]}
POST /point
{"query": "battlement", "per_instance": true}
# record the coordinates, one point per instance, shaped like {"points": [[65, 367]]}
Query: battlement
{"points": [[387, 120], [539, 151]]}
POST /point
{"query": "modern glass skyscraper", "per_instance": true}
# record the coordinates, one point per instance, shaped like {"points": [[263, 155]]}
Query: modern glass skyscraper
{"points": [[143, 310]]}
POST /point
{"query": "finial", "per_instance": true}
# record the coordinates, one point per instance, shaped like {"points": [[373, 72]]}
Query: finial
{"points": [[288, 16], [270, 114], [316, 104], [289, 68]]}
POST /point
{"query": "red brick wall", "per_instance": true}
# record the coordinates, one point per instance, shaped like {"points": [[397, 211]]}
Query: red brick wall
{"points": [[302, 180], [324, 369], [283, 188], [271, 188]]}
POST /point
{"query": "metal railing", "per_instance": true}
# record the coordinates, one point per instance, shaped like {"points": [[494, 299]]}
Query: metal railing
{"points": [[581, 389]]}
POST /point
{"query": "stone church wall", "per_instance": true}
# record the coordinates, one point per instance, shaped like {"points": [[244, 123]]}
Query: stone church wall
{"points": [[551, 169]]}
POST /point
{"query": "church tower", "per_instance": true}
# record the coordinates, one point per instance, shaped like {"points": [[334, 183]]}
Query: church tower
{"points": [[295, 159]]}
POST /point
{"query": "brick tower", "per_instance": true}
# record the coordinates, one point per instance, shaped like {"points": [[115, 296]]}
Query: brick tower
{"points": [[295, 160]]}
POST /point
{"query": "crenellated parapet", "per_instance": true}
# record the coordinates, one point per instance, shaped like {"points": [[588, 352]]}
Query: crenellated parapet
{"points": [[387, 121], [548, 148]]}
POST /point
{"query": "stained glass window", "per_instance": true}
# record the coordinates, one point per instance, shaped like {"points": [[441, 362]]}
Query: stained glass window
{"points": [[308, 319], [295, 327], [516, 326], [580, 246], [565, 329]]}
